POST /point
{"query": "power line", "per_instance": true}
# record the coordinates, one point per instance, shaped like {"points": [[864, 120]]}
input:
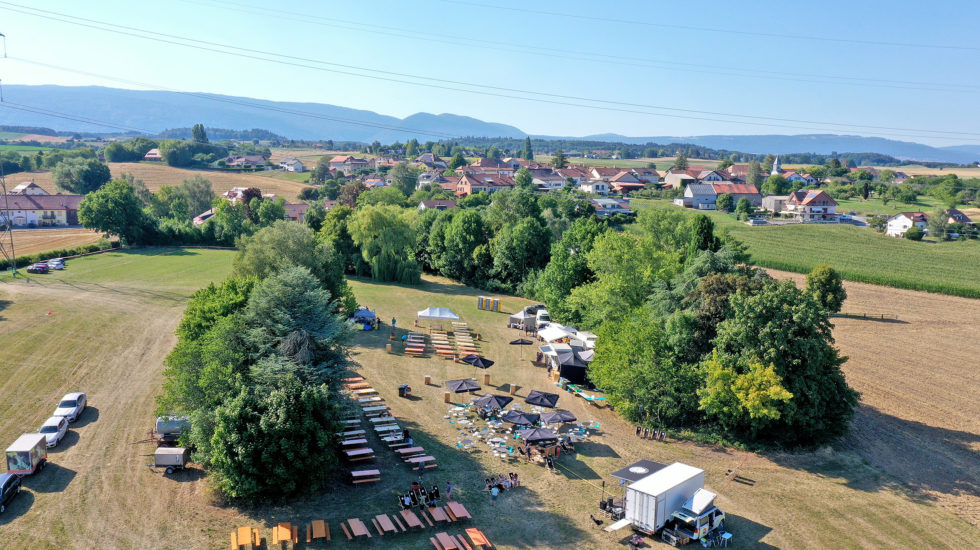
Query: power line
{"points": [[211, 46], [66, 116], [236, 101], [592, 18], [577, 55]]}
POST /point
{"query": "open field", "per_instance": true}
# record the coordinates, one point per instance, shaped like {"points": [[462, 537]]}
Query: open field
{"points": [[876, 206], [29, 241], [111, 322], [663, 163], [859, 253], [915, 170], [24, 148], [157, 175], [10, 135]]}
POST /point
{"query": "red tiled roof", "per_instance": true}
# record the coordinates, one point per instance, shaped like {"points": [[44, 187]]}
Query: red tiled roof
{"points": [[735, 188]]}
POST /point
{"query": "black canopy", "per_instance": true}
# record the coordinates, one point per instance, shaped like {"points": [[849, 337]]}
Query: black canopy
{"points": [[462, 385], [542, 399], [552, 417], [539, 436], [522, 418], [478, 361], [638, 470], [521, 342], [495, 402]]}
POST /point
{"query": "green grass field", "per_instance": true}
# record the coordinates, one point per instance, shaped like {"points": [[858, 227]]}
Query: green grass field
{"points": [[876, 206], [302, 177], [24, 148], [11, 135], [859, 253]]}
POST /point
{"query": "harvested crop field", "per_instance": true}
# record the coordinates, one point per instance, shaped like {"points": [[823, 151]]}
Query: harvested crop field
{"points": [[156, 175], [111, 323], [30, 241], [919, 419]]}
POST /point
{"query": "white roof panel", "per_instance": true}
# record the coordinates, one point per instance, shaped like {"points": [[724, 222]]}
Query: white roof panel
{"points": [[658, 482]]}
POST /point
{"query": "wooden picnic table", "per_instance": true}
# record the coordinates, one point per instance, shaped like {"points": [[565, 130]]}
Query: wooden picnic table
{"points": [[438, 514], [320, 529], [374, 408], [409, 450], [447, 542], [417, 459], [285, 532], [357, 528], [478, 538], [359, 452], [385, 522], [369, 399], [244, 536], [349, 442], [352, 422], [364, 391], [458, 510], [410, 518], [357, 385], [387, 428], [351, 433], [383, 419]]}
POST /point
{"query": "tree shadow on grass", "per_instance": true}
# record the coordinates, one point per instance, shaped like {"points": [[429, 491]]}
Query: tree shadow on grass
{"points": [[520, 519], [590, 448], [883, 451], [745, 532], [4, 304]]}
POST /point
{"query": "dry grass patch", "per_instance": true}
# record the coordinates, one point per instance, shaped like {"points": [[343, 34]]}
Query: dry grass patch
{"points": [[30, 241]]}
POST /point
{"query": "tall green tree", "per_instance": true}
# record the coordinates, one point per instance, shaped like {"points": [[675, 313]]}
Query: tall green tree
{"points": [[518, 249], [404, 178], [826, 286], [527, 153], [725, 202], [767, 163], [754, 174], [80, 176], [198, 192], [559, 160], [198, 134], [568, 267], [386, 237], [775, 185], [115, 210], [462, 236], [457, 161], [523, 179], [680, 163]]}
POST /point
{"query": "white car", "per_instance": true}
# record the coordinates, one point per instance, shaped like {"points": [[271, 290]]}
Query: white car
{"points": [[56, 263], [54, 429], [71, 406]]}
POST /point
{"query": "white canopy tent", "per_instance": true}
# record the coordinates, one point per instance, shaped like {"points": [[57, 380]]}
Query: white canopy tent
{"points": [[439, 314]]}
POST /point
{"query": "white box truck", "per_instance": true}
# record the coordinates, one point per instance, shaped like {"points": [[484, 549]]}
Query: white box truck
{"points": [[651, 500]]}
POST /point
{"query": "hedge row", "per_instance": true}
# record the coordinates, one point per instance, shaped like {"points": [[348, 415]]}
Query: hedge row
{"points": [[26, 260]]}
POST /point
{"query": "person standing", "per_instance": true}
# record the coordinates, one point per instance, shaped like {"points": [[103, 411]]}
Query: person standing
{"points": [[494, 491], [392, 322], [449, 489]]}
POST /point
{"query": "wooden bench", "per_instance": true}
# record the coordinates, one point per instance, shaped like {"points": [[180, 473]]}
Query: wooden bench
{"points": [[463, 543], [377, 526], [346, 532], [374, 399]]}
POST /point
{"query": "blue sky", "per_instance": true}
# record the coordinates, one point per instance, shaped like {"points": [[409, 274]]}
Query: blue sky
{"points": [[632, 56]]}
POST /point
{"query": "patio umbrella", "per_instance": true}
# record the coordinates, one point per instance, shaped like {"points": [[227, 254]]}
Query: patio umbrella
{"points": [[462, 385], [521, 342], [553, 417], [494, 402], [539, 436], [542, 399], [477, 361], [521, 418]]}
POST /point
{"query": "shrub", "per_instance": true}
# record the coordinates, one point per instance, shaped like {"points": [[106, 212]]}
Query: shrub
{"points": [[914, 234]]}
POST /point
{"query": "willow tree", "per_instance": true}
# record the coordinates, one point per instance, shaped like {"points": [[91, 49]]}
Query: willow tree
{"points": [[386, 237]]}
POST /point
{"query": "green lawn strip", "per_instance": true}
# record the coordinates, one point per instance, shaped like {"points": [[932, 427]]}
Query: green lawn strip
{"points": [[858, 253]]}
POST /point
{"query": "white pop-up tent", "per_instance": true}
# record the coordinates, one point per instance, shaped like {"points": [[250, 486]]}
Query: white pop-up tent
{"points": [[439, 314]]}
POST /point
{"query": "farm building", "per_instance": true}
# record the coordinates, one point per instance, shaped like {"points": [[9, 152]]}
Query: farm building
{"points": [[898, 224], [42, 210], [702, 196], [153, 155], [774, 203], [610, 207]]}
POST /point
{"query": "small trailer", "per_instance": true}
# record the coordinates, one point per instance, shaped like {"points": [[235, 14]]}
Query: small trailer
{"points": [[27, 455], [171, 458]]}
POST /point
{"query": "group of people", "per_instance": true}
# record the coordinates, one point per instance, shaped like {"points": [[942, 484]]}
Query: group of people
{"points": [[499, 482], [419, 496]]}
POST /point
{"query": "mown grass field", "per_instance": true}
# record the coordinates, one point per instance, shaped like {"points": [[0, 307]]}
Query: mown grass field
{"points": [[874, 206], [111, 323], [30, 241], [859, 253]]}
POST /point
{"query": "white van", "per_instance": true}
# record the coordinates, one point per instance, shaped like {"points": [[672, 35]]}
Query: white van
{"points": [[542, 318]]}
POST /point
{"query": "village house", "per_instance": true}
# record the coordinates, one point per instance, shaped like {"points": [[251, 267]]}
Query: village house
{"points": [[703, 196], [295, 211], [897, 225], [548, 182], [610, 207], [431, 162], [625, 182], [577, 175], [437, 205], [375, 181], [774, 203], [675, 179], [290, 164], [427, 178], [153, 155], [470, 183], [595, 187], [811, 206], [348, 164], [28, 188], [37, 210]]}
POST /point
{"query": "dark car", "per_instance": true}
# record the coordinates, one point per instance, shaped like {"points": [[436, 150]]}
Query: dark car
{"points": [[38, 268], [9, 487]]}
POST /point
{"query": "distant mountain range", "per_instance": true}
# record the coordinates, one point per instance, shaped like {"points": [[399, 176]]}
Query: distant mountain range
{"points": [[155, 111]]}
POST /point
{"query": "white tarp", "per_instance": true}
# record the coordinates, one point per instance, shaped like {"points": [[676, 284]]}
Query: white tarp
{"points": [[700, 501], [618, 525], [552, 333], [440, 313]]}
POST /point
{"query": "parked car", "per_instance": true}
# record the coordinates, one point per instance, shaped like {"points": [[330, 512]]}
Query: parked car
{"points": [[39, 267], [756, 221], [57, 263], [54, 429], [9, 487], [845, 217], [71, 406]]}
